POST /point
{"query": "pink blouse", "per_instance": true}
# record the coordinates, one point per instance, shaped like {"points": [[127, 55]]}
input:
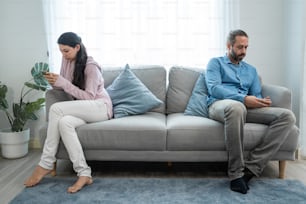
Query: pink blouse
{"points": [[94, 83]]}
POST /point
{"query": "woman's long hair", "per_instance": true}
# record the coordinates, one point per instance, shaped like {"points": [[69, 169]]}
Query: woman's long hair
{"points": [[71, 39]]}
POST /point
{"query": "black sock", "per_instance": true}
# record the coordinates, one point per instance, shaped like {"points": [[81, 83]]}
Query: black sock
{"points": [[239, 185], [248, 175]]}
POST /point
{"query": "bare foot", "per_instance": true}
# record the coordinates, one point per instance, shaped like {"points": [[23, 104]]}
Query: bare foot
{"points": [[38, 173], [80, 183]]}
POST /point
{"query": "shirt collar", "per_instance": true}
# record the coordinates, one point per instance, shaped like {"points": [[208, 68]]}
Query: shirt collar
{"points": [[228, 61]]}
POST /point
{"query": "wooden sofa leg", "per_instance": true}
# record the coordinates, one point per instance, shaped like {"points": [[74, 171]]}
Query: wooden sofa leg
{"points": [[282, 168], [53, 171]]}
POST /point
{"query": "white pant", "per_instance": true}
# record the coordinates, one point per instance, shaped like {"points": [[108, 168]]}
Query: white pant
{"points": [[64, 117]]}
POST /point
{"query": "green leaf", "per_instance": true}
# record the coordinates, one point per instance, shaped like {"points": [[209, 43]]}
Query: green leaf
{"points": [[18, 111], [3, 101], [32, 107], [24, 111], [32, 86], [38, 68], [18, 125], [3, 90], [3, 104], [37, 73]]}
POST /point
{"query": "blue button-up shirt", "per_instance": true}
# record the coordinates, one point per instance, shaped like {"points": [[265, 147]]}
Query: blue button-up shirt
{"points": [[226, 80]]}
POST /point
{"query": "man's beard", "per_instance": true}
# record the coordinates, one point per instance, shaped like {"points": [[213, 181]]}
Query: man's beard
{"points": [[236, 57]]}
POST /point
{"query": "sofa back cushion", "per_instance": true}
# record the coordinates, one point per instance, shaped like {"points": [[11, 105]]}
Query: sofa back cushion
{"points": [[181, 83], [152, 76]]}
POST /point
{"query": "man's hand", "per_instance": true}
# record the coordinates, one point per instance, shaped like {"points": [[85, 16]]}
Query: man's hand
{"points": [[253, 102], [51, 77]]}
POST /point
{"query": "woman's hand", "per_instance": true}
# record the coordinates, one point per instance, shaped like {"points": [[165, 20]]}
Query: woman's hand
{"points": [[253, 102], [51, 77]]}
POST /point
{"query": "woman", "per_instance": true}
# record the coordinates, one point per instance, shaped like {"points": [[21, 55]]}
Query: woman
{"points": [[81, 77]]}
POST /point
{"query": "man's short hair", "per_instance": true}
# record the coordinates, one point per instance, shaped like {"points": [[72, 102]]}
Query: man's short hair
{"points": [[231, 39]]}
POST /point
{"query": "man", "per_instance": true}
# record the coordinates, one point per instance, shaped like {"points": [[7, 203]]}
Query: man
{"points": [[234, 98]]}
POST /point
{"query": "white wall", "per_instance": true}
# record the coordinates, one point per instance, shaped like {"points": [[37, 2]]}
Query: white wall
{"points": [[276, 30], [262, 20], [295, 35], [22, 43]]}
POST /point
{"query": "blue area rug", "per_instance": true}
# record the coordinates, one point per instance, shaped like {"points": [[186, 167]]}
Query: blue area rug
{"points": [[163, 191]]}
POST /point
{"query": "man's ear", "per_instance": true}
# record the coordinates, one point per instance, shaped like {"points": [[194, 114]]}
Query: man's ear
{"points": [[228, 45]]}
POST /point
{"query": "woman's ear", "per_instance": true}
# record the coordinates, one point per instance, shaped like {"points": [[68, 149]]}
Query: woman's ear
{"points": [[78, 46]]}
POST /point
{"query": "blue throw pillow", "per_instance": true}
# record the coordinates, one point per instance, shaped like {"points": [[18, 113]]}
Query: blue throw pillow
{"points": [[197, 104], [130, 96]]}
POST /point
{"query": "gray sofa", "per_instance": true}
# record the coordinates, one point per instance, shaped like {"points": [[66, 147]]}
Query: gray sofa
{"points": [[165, 133]]}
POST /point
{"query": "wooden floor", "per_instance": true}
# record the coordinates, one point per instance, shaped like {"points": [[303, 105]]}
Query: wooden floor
{"points": [[14, 172]]}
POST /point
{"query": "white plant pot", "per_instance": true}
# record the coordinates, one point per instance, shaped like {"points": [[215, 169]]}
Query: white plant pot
{"points": [[14, 144]]}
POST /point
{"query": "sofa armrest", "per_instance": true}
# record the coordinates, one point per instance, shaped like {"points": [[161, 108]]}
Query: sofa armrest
{"points": [[53, 96], [280, 96]]}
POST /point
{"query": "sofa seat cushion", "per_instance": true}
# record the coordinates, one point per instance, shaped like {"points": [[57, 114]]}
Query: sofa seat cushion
{"points": [[137, 132], [194, 133]]}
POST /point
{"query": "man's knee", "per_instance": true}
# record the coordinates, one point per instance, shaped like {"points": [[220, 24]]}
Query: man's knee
{"points": [[288, 116], [235, 109]]}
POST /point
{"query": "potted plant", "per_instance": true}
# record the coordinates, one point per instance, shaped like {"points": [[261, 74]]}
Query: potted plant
{"points": [[14, 140]]}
